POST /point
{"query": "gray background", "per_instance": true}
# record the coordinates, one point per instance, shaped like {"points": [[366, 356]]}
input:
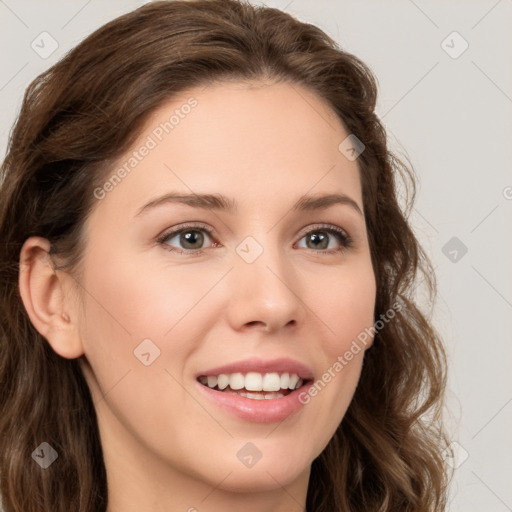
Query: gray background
{"points": [[452, 118]]}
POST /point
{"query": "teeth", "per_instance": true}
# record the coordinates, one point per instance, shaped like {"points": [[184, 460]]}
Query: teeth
{"points": [[222, 381], [257, 396], [254, 381], [271, 382], [236, 381], [269, 396], [294, 378]]}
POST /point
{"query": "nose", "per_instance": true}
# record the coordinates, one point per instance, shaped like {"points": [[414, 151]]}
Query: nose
{"points": [[265, 293]]}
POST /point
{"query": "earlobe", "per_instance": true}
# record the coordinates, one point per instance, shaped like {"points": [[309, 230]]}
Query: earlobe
{"points": [[43, 292]]}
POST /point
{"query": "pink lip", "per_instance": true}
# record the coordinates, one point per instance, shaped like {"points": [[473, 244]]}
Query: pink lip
{"points": [[281, 365], [256, 411]]}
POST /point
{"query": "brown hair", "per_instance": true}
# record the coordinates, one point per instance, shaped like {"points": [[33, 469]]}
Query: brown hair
{"points": [[82, 114]]}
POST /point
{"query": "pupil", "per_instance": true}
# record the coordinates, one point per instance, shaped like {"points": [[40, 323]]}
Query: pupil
{"points": [[189, 238], [321, 238]]}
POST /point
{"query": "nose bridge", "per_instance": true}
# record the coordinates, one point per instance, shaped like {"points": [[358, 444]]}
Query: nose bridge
{"points": [[261, 258], [264, 283]]}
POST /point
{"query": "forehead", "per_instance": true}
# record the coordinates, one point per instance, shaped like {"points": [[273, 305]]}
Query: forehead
{"points": [[247, 140]]}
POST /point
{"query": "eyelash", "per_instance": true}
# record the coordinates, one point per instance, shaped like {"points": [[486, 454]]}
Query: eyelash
{"points": [[343, 237]]}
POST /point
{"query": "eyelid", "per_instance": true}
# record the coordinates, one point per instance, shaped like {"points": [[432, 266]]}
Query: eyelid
{"points": [[325, 226]]}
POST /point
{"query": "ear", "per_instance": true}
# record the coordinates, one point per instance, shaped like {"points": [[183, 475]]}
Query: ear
{"points": [[45, 295]]}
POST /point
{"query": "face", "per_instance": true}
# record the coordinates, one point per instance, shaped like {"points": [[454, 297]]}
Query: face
{"points": [[262, 288]]}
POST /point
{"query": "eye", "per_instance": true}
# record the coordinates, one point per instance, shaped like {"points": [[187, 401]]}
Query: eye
{"points": [[321, 236], [191, 239]]}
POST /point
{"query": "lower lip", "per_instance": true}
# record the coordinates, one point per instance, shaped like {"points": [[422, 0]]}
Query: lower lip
{"points": [[258, 411]]}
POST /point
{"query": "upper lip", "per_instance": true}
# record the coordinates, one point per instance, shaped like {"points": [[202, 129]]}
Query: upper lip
{"points": [[281, 365]]}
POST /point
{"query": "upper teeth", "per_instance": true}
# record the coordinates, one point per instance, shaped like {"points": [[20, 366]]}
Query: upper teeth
{"points": [[254, 381]]}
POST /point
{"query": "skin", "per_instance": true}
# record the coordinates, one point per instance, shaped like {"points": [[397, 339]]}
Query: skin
{"points": [[166, 447]]}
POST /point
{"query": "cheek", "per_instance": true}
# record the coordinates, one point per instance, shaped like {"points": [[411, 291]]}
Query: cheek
{"points": [[345, 305], [345, 309], [128, 302], [131, 312]]}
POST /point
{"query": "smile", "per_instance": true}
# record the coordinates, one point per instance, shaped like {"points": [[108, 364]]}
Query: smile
{"points": [[254, 385], [256, 390]]}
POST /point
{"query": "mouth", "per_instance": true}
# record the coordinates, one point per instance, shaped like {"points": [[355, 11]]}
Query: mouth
{"points": [[257, 390], [255, 385]]}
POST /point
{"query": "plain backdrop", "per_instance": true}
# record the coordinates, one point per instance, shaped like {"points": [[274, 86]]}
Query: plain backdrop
{"points": [[445, 84]]}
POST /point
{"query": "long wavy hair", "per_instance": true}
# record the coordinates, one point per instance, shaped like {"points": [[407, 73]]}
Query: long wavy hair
{"points": [[83, 113]]}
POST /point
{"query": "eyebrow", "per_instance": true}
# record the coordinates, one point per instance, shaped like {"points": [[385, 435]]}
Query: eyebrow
{"points": [[223, 203]]}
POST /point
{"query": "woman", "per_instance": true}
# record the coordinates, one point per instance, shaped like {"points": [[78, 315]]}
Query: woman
{"points": [[206, 279]]}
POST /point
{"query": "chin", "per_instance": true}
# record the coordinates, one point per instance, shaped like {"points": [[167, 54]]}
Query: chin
{"points": [[272, 470], [261, 479]]}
